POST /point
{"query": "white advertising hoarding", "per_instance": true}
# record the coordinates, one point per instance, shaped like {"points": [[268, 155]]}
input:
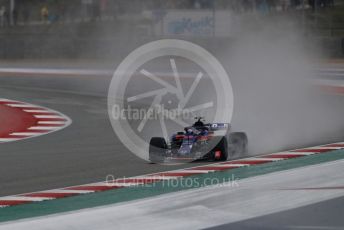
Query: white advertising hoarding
{"points": [[194, 23]]}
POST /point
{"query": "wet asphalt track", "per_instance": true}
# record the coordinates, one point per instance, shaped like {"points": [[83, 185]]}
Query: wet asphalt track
{"points": [[87, 151]]}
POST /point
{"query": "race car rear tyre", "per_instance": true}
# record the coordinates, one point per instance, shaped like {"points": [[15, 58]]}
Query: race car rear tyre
{"points": [[157, 149], [237, 144], [221, 147]]}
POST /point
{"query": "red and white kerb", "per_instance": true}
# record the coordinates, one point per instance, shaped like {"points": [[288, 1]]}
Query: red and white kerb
{"points": [[22, 120], [169, 175]]}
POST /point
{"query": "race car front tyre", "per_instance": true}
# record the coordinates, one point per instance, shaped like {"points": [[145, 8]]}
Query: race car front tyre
{"points": [[237, 144], [157, 149]]}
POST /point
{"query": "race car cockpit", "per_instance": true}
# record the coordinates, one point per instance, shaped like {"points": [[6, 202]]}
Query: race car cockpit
{"points": [[199, 125]]}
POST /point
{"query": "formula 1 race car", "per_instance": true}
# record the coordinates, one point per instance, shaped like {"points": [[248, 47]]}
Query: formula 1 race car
{"points": [[201, 141]]}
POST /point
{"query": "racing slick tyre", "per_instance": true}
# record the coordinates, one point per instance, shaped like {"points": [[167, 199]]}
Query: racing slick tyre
{"points": [[237, 144], [220, 152], [157, 149]]}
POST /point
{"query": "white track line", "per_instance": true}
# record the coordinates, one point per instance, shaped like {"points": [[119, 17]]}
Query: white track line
{"points": [[157, 177], [23, 198], [324, 147], [66, 191], [52, 122], [114, 183], [39, 71], [25, 134], [265, 159], [47, 116], [337, 143], [4, 99], [218, 166], [189, 171], [22, 105], [9, 139], [36, 111], [237, 165], [42, 128], [293, 153]]}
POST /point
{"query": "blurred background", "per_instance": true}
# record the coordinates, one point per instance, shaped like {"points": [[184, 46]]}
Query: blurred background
{"points": [[93, 29]]}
